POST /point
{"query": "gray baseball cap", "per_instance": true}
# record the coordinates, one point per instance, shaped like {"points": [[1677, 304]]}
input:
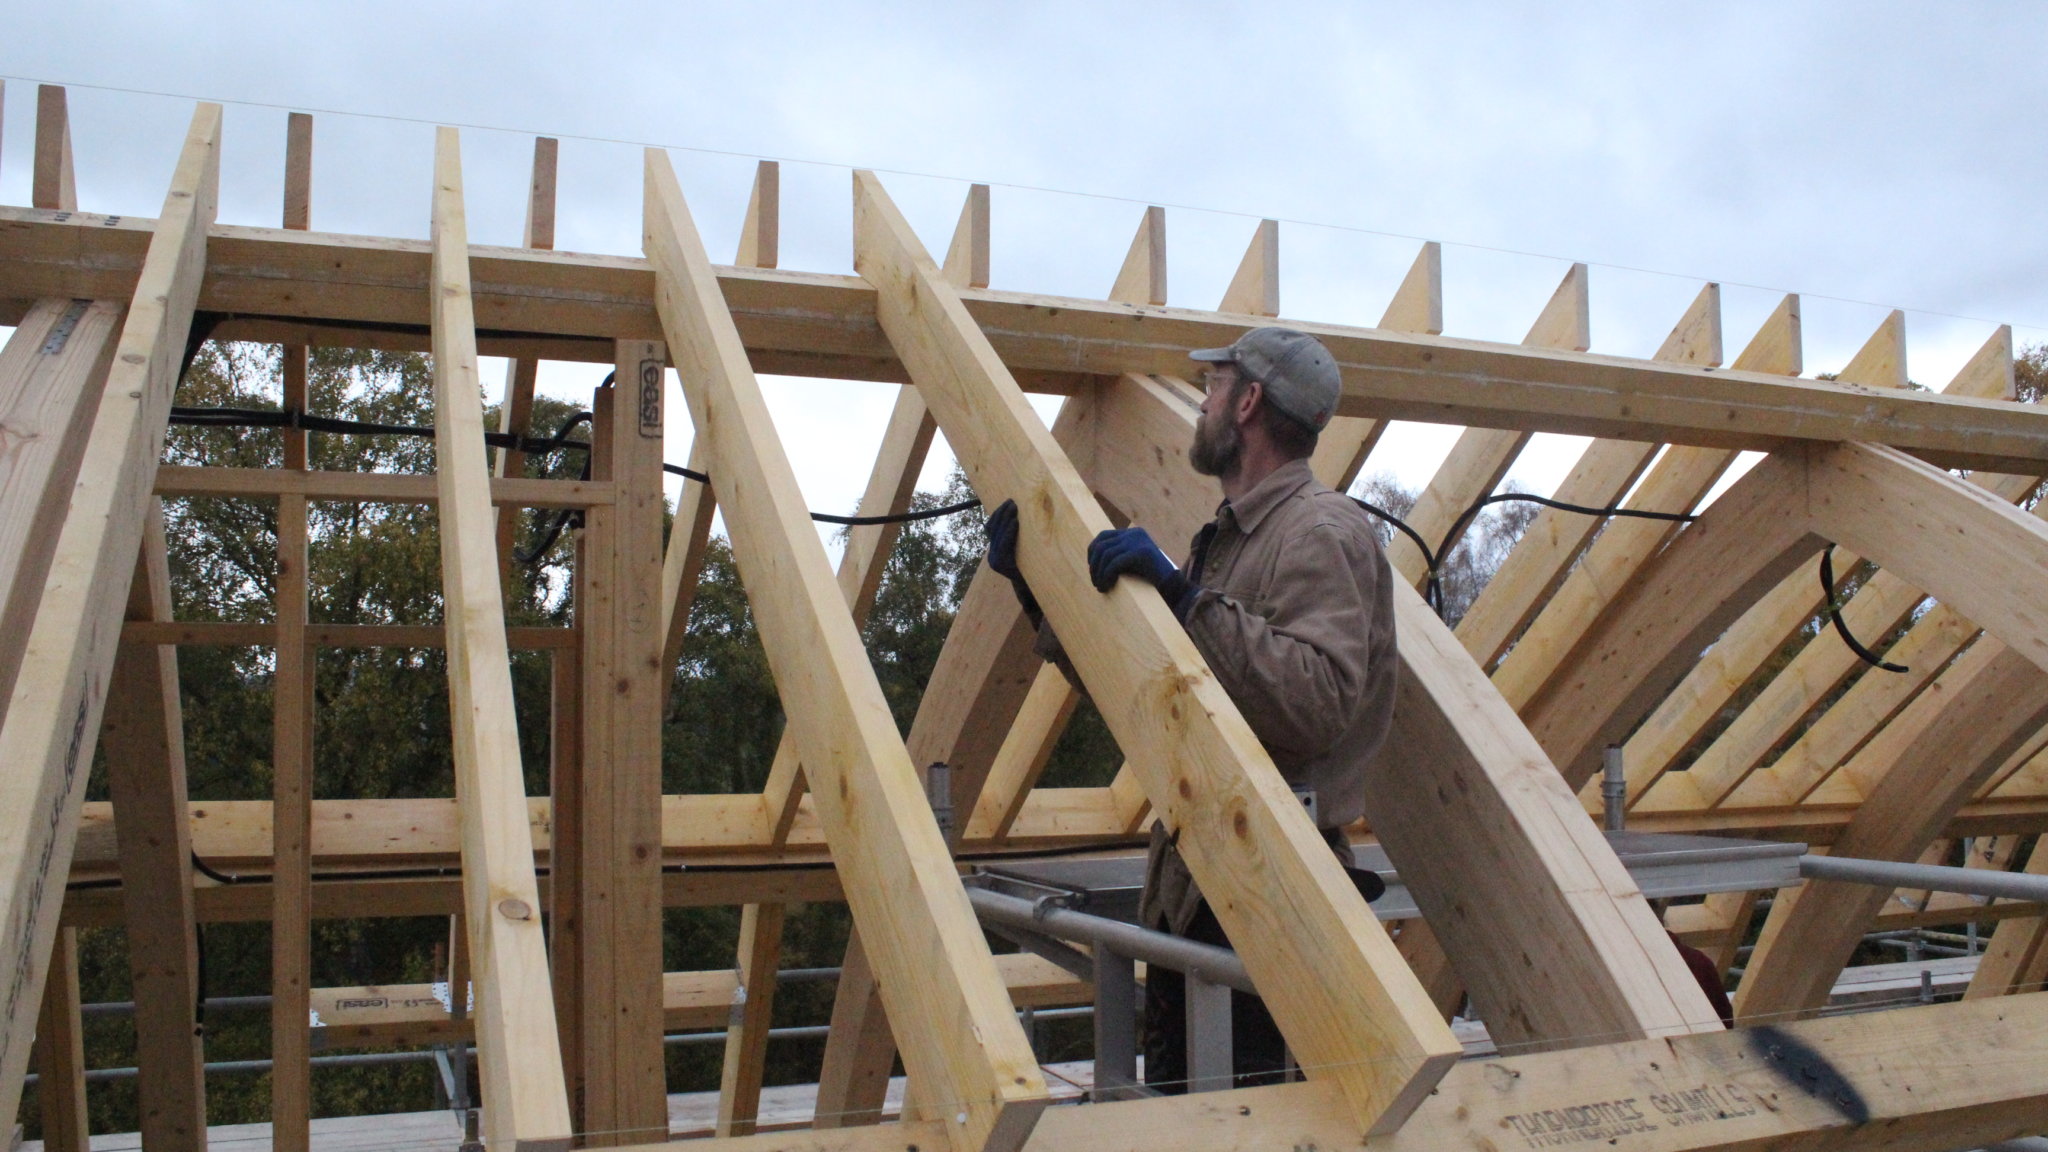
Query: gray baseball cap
{"points": [[1299, 374]]}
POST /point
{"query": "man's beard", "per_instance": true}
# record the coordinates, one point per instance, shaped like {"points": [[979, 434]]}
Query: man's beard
{"points": [[1218, 447]]}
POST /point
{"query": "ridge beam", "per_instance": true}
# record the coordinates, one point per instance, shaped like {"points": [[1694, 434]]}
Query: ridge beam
{"points": [[1349, 1006], [939, 982], [526, 1103]]}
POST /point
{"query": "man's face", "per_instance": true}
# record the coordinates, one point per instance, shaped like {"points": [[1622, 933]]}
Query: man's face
{"points": [[1219, 442]]}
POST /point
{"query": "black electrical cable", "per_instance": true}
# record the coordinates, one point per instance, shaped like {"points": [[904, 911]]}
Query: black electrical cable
{"points": [[1834, 611], [529, 556]]}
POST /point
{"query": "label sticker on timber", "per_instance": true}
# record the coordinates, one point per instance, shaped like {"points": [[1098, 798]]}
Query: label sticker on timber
{"points": [[32, 914], [1606, 1121], [650, 399]]}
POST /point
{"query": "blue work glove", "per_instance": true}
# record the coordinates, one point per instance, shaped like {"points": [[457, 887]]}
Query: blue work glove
{"points": [[1002, 556], [1131, 552]]}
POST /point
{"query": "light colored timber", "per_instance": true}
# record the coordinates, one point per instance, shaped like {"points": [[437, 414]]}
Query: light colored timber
{"points": [[966, 264], [564, 883], [1482, 456], [1968, 548], [60, 1052], [1023, 756], [813, 324], [682, 562], [1760, 633], [49, 732], [621, 1092], [753, 1008], [1483, 840], [937, 977], [1678, 481], [230, 634], [1142, 279], [1381, 1042], [1418, 304], [52, 184], [1991, 701], [515, 409], [1255, 288], [298, 172], [2014, 961], [291, 919], [52, 372], [1668, 612], [761, 232], [375, 487], [523, 1090], [1603, 475], [144, 737], [862, 1054]]}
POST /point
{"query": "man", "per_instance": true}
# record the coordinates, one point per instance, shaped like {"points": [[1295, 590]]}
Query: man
{"points": [[1289, 598]]}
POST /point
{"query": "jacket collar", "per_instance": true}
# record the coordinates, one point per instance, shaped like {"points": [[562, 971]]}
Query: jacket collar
{"points": [[1254, 506]]}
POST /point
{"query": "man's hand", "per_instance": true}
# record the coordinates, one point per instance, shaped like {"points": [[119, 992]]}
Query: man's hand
{"points": [[1002, 557], [1118, 551]]}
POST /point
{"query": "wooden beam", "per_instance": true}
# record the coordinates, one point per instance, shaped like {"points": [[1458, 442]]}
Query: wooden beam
{"points": [[2014, 961], [291, 919], [1255, 289], [524, 1097], [1968, 548], [1381, 1041], [966, 263], [52, 372], [682, 563], [1679, 480], [515, 410], [1142, 279], [375, 487], [1482, 456], [53, 185], [1992, 700], [813, 324], [144, 737], [50, 729], [60, 1052], [623, 1088], [1418, 304], [937, 976], [753, 1009], [1680, 601], [1555, 538], [761, 233]]}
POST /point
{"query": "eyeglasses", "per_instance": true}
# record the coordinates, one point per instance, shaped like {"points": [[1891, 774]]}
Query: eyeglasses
{"points": [[1226, 372]]}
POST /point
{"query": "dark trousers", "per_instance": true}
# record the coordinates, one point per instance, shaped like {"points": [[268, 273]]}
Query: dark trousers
{"points": [[1261, 1054]]}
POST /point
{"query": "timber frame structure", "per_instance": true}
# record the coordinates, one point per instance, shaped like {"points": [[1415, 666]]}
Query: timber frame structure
{"points": [[1582, 640]]}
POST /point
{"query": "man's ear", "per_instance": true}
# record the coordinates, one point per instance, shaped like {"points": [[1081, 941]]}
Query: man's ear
{"points": [[1248, 399]]}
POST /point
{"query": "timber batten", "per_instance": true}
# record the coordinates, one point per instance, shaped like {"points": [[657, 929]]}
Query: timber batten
{"points": [[1592, 633]]}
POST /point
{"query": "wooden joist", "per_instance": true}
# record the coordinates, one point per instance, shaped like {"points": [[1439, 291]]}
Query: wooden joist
{"points": [[525, 1101], [936, 974], [1380, 1041], [50, 729]]}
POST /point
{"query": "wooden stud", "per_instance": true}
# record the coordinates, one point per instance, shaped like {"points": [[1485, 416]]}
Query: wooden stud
{"points": [[1418, 304], [291, 933], [1142, 279], [524, 1096], [853, 1081], [753, 1010], [761, 234], [2014, 961], [967, 257], [1255, 289], [1174, 721], [298, 172], [565, 823], [1024, 754], [522, 373], [937, 976], [1482, 456], [53, 185], [50, 729], [682, 563], [143, 734], [60, 1052], [1881, 362]]}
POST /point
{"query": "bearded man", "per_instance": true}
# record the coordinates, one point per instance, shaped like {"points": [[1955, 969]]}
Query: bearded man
{"points": [[1288, 596]]}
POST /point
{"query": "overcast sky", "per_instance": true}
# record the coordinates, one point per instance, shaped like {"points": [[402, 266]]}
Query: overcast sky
{"points": [[1869, 156]]}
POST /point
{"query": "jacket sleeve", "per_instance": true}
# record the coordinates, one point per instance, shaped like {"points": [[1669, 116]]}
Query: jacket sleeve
{"points": [[1299, 671]]}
